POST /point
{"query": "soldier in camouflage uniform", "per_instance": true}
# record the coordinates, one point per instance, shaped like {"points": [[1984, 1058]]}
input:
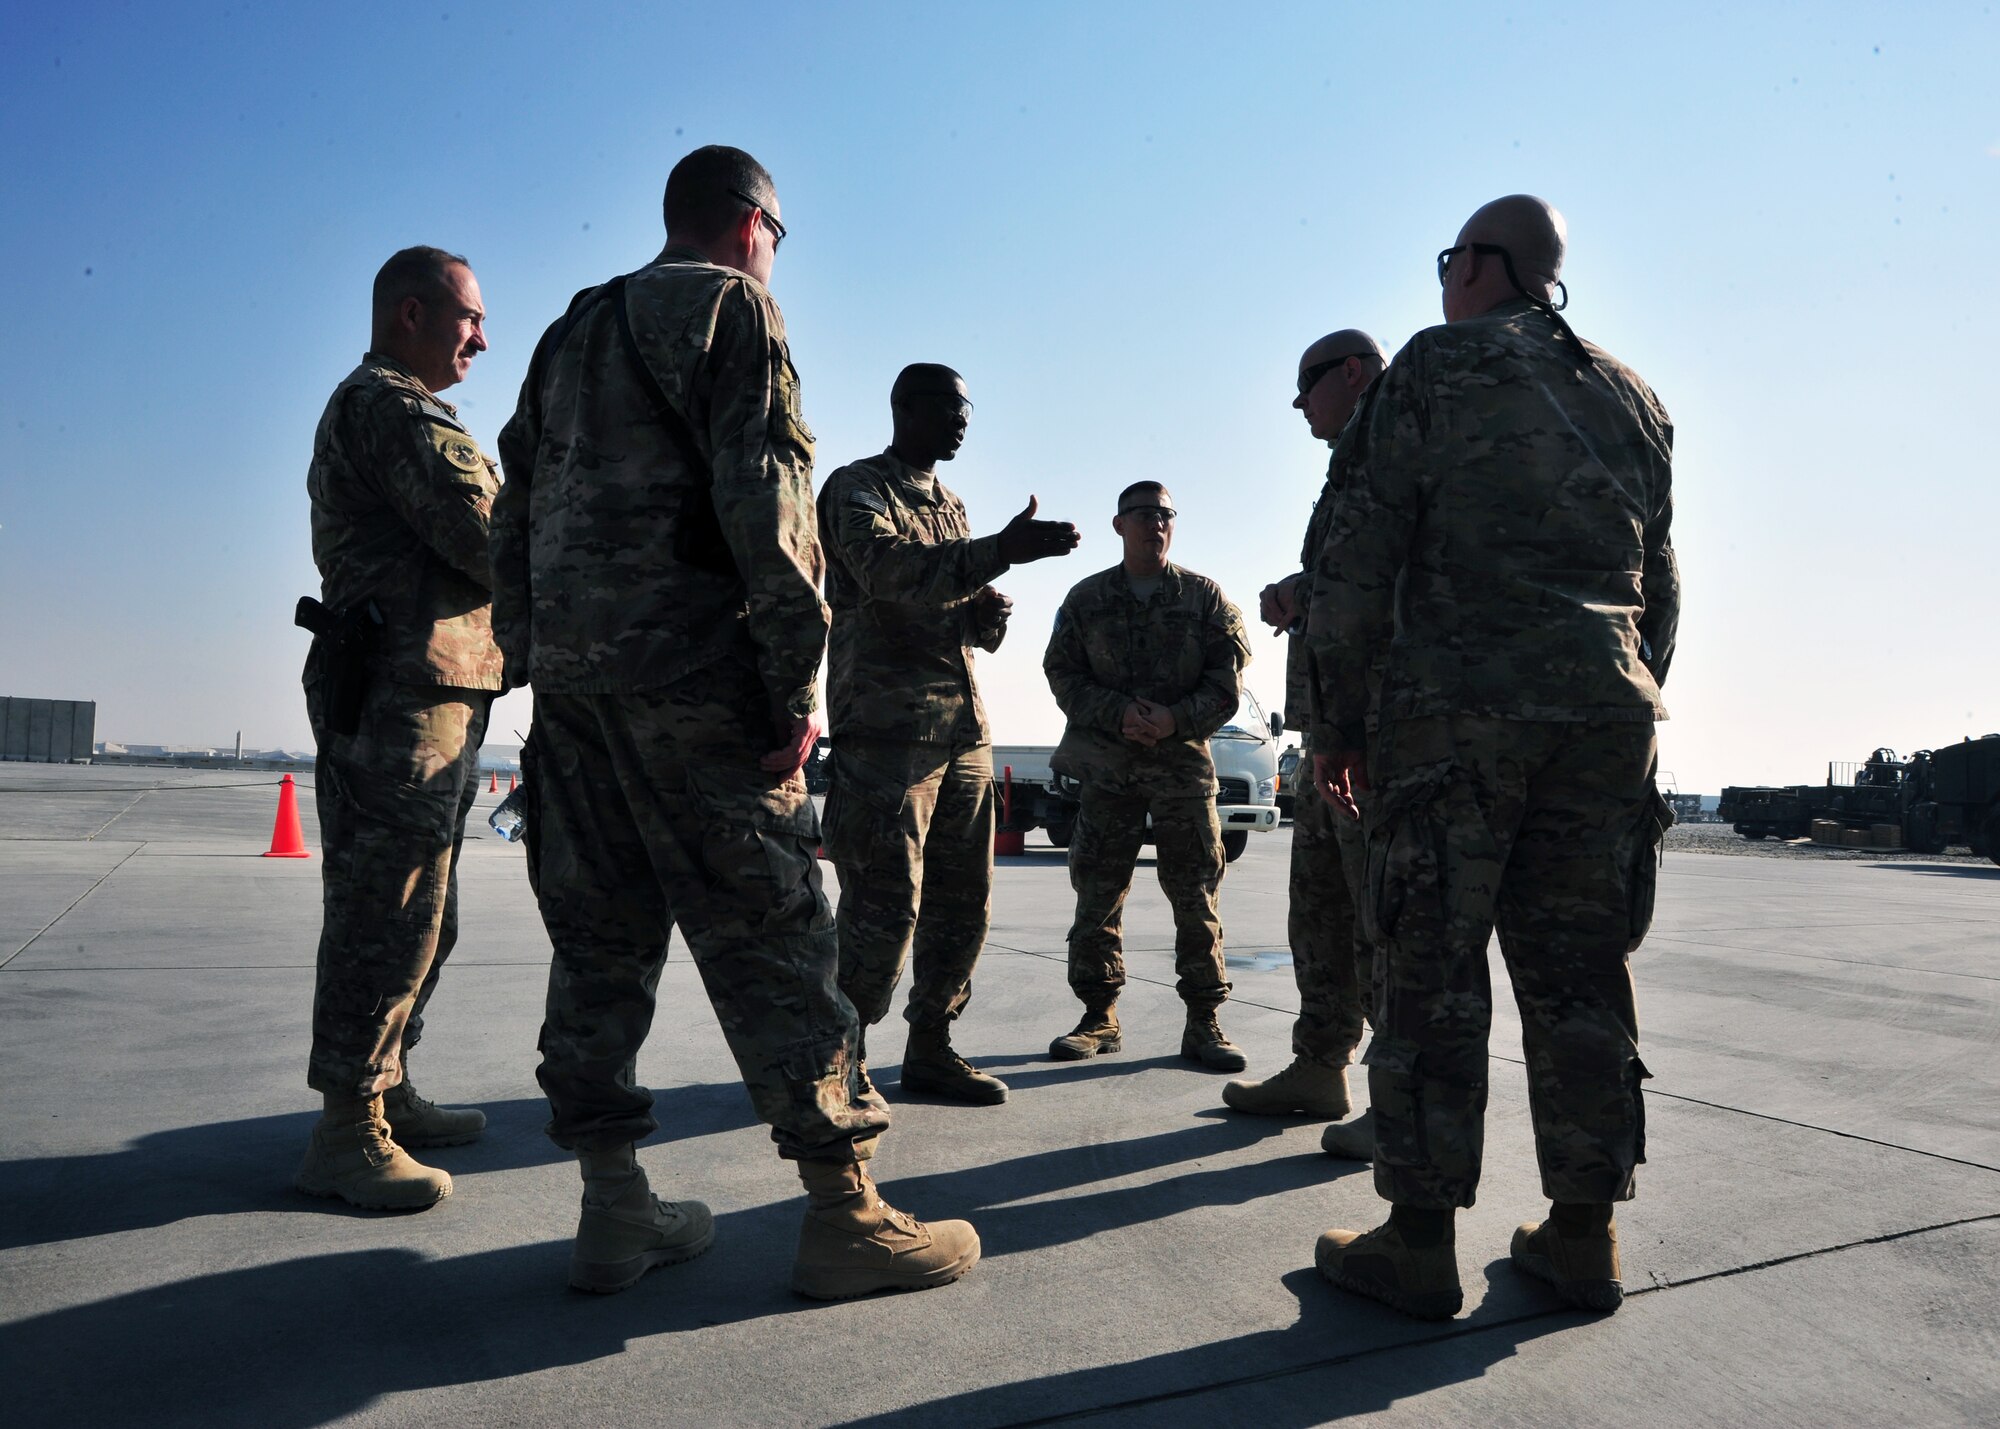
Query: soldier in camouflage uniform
{"points": [[1329, 960], [401, 495], [910, 815], [657, 577], [1146, 662], [1502, 545]]}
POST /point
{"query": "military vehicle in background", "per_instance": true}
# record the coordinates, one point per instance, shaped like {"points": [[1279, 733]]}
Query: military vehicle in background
{"points": [[1934, 799]]}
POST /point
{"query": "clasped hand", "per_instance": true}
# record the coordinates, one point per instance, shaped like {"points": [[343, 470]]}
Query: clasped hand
{"points": [[1146, 723]]}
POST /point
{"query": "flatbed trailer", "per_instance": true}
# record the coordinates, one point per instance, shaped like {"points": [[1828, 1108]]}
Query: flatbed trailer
{"points": [[1936, 798]]}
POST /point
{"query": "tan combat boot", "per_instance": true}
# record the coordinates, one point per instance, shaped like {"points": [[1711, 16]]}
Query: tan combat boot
{"points": [[1203, 1042], [1351, 1140], [930, 1065], [1307, 1086], [352, 1156], [1575, 1250], [1420, 1278], [413, 1121], [1098, 1032], [854, 1243], [625, 1229]]}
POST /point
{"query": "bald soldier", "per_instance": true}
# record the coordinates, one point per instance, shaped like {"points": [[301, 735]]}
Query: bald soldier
{"points": [[1329, 959], [659, 579], [910, 815], [398, 681], [1502, 545]]}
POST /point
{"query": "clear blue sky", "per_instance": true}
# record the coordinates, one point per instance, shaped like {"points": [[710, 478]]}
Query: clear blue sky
{"points": [[1121, 222]]}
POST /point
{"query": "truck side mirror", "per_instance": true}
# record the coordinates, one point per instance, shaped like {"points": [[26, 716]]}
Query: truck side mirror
{"points": [[1277, 726]]}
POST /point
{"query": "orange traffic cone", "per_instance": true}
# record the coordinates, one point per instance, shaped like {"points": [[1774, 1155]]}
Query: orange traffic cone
{"points": [[1008, 841], [494, 787], [288, 840], [513, 782]]}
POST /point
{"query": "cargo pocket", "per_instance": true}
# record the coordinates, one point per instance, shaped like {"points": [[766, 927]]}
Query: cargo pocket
{"points": [[863, 803], [757, 855], [531, 813], [1636, 1076], [1404, 882], [1642, 878]]}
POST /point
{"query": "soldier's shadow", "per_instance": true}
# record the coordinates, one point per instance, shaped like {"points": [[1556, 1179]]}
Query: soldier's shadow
{"points": [[231, 1167], [311, 1340], [1342, 1356]]}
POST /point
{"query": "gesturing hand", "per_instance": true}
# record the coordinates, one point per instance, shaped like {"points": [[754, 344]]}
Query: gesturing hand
{"points": [[1025, 539]]}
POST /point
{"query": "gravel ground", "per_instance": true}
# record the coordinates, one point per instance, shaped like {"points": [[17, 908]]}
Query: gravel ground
{"points": [[1721, 838]]}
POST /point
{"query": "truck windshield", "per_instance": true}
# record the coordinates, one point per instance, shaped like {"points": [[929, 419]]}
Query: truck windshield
{"points": [[1248, 722]]}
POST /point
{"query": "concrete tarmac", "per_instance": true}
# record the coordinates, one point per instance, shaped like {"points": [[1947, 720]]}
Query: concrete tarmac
{"points": [[1816, 1242]]}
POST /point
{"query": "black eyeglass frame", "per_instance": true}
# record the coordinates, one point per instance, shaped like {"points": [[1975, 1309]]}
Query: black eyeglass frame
{"points": [[1506, 261], [777, 228], [1310, 377]]}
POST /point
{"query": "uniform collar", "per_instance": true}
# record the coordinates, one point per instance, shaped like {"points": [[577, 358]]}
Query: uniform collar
{"points": [[1170, 582], [371, 358], [924, 484]]}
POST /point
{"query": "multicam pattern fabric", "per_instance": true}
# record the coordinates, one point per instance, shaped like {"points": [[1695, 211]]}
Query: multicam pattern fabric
{"points": [[1330, 956], [401, 497], [1104, 851], [902, 569], [619, 563], [651, 814], [909, 828], [1503, 541], [1551, 831], [392, 799], [1184, 647]]}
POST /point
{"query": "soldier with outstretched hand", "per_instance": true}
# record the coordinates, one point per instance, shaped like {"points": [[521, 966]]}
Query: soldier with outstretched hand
{"points": [[910, 813], [658, 574]]}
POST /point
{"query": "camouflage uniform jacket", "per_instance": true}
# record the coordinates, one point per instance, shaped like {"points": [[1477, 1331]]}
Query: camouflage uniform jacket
{"points": [[1503, 538], [401, 497], [902, 568], [1185, 648], [618, 564]]}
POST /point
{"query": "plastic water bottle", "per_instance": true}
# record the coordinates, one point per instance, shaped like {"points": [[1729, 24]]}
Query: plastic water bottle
{"points": [[510, 820]]}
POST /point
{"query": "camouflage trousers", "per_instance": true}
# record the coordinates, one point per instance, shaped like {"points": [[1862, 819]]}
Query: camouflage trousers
{"points": [[392, 799], [1330, 954], [909, 827], [1104, 851], [1551, 832], [648, 812]]}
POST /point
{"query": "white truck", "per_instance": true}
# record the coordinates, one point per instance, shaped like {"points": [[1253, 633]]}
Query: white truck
{"points": [[1246, 767]]}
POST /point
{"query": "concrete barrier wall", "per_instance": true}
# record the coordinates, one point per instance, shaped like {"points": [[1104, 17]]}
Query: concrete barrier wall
{"points": [[47, 731]]}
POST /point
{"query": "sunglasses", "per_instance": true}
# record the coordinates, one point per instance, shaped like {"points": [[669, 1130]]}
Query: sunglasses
{"points": [[1152, 515], [1309, 376], [777, 228]]}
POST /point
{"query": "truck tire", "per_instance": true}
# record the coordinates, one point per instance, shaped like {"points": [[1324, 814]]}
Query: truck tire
{"points": [[1753, 832], [1990, 833], [1920, 831], [1233, 844], [1060, 834]]}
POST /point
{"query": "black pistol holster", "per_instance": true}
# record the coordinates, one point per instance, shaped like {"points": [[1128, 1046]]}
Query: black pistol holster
{"points": [[346, 641]]}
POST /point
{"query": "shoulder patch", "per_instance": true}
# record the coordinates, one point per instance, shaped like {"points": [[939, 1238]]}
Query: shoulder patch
{"points": [[458, 449], [860, 496]]}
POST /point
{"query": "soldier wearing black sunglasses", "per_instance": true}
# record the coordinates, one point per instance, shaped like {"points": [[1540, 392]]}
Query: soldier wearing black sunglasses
{"points": [[1501, 555]]}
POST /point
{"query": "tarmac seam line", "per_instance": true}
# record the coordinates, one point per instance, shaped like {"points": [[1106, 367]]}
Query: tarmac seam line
{"points": [[1649, 1091], [1468, 1330], [1815, 957], [72, 907]]}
